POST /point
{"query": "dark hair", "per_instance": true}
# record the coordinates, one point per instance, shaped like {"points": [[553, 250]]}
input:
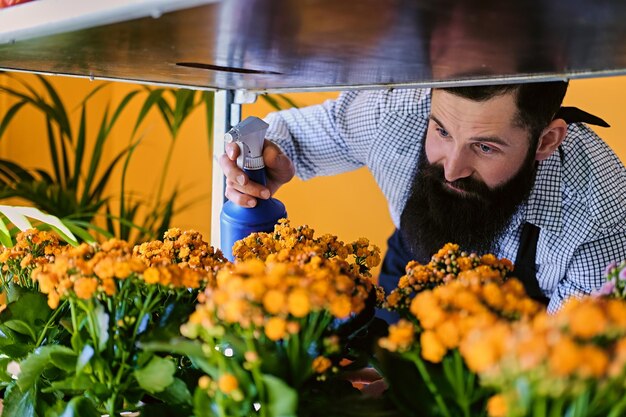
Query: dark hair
{"points": [[537, 103]]}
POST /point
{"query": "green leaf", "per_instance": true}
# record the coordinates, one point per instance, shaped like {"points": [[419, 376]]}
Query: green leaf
{"points": [[282, 400], [79, 153], [80, 407], [79, 231], [35, 363], [30, 306], [189, 348], [21, 327], [153, 98], [53, 221], [64, 359], [73, 383], [19, 403], [59, 112], [102, 321], [176, 393], [202, 404], [157, 375], [85, 356], [8, 116], [16, 217], [5, 235]]}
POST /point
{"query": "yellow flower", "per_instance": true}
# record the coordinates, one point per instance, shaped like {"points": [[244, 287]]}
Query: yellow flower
{"points": [[488, 259], [497, 406], [151, 275], [594, 362], [298, 303], [273, 301], [53, 299], [227, 383], [85, 287], [448, 333], [121, 270], [104, 268], [565, 357], [204, 382], [432, 348], [321, 364], [587, 320], [341, 307], [400, 337], [108, 286], [425, 307], [275, 328]]}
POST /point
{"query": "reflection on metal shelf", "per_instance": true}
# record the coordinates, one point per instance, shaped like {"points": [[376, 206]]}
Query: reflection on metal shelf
{"points": [[48, 17], [279, 45]]}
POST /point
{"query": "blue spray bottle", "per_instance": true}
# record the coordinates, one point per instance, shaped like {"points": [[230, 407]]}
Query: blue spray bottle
{"points": [[237, 222]]}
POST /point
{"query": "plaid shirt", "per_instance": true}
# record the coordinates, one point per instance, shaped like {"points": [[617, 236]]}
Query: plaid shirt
{"points": [[577, 200]]}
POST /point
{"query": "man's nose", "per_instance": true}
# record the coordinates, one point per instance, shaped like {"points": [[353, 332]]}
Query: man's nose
{"points": [[456, 166]]}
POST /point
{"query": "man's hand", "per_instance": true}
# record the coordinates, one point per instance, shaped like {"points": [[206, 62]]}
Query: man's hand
{"points": [[240, 190]]}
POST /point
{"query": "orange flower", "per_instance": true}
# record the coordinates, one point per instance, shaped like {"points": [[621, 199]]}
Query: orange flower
{"points": [[53, 299], [425, 307], [151, 275], [298, 303], [448, 333], [275, 328], [497, 406], [587, 320], [227, 383], [321, 364], [85, 287], [273, 301], [565, 357], [594, 362], [121, 270], [400, 337], [341, 307], [432, 348]]}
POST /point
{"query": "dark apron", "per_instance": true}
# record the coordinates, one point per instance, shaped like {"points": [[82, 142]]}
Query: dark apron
{"points": [[398, 252]]}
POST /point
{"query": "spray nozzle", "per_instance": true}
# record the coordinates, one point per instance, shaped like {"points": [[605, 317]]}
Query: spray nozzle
{"points": [[249, 135]]}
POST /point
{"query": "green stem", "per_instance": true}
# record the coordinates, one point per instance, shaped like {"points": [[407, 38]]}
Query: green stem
{"points": [[256, 375], [49, 322], [417, 360], [165, 170]]}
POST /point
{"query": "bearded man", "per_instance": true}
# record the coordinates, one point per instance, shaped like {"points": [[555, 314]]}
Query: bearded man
{"points": [[501, 169]]}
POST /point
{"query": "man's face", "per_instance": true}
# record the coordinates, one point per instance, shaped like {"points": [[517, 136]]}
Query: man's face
{"points": [[476, 169], [475, 140]]}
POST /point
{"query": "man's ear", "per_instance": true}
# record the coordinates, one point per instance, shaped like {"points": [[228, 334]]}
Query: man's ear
{"points": [[550, 139]]}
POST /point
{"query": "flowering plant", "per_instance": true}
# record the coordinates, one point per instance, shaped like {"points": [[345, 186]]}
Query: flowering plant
{"points": [[103, 300], [615, 281], [572, 363], [278, 321], [441, 304]]}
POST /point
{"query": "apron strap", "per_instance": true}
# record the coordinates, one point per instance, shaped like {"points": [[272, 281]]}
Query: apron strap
{"points": [[525, 267], [576, 115]]}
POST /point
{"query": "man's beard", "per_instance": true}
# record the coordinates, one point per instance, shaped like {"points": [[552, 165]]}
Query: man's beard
{"points": [[435, 215]]}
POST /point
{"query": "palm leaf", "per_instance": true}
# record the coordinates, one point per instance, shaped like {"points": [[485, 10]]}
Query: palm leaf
{"points": [[18, 216], [59, 112], [79, 152], [54, 155], [13, 172], [151, 100], [271, 101], [8, 116]]}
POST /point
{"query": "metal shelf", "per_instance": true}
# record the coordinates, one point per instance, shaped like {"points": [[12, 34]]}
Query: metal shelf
{"points": [[298, 45]]}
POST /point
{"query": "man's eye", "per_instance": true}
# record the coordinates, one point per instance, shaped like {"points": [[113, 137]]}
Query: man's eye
{"points": [[484, 148], [442, 132]]}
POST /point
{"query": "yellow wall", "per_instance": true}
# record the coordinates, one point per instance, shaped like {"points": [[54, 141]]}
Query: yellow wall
{"points": [[348, 205]]}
